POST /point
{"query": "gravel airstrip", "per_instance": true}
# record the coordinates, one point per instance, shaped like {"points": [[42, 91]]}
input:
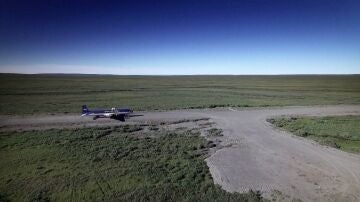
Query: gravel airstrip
{"points": [[254, 155]]}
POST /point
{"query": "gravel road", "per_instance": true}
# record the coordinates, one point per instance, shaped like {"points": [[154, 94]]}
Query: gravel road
{"points": [[255, 155]]}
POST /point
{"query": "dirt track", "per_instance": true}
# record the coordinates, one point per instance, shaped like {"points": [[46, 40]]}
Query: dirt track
{"points": [[256, 156]]}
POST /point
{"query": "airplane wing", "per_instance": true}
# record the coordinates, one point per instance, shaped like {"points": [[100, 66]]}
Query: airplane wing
{"points": [[100, 114]]}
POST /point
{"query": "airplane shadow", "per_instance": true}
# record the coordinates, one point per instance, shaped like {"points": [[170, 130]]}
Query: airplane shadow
{"points": [[135, 115], [122, 118]]}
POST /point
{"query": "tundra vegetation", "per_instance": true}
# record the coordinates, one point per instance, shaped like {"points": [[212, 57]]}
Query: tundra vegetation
{"points": [[123, 163], [342, 132], [44, 94]]}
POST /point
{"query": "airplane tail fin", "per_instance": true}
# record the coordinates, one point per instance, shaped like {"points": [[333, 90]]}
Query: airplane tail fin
{"points": [[85, 109]]}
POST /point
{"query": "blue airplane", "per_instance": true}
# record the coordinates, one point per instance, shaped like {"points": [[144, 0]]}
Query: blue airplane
{"points": [[113, 113]]}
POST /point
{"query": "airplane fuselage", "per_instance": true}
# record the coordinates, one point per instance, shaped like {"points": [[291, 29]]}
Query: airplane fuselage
{"points": [[115, 113]]}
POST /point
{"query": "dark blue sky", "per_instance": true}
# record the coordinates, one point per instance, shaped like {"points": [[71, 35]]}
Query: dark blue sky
{"points": [[180, 37]]}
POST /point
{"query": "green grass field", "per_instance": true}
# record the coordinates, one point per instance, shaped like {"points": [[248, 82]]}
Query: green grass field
{"points": [[342, 132], [41, 94], [108, 164]]}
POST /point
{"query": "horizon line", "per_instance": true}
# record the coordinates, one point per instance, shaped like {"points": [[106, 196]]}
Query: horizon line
{"points": [[94, 74]]}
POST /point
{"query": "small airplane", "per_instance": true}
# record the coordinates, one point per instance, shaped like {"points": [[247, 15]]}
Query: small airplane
{"points": [[113, 113]]}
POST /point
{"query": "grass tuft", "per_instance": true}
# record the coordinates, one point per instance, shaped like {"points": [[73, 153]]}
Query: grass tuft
{"points": [[215, 132]]}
